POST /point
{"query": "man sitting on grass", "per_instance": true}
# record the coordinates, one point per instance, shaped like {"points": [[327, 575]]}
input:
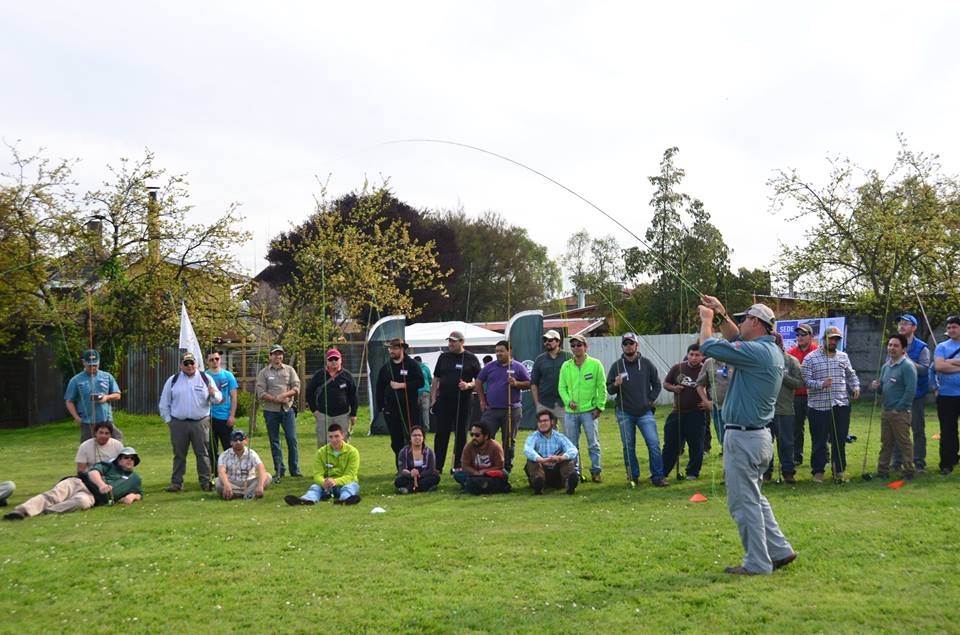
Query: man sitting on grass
{"points": [[335, 472], [481, 464], [102, 448], [551, 457], [240, 472], [103, 484], [7, 488]]}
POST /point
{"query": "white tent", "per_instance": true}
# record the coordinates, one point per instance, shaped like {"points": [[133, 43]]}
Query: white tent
{"points": [[434, 335]]}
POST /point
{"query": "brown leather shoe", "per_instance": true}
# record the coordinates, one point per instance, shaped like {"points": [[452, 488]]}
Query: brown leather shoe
{"points": [[782, 562], [173, 487], [596, 477], [739, 571]]}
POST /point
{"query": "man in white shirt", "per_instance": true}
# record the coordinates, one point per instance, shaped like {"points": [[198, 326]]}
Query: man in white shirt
{"points": [[240, 472], [185, 406], [102, 448]]}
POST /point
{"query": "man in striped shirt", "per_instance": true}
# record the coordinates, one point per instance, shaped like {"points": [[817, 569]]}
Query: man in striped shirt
{"points": [[551, 457], [831, 381]]}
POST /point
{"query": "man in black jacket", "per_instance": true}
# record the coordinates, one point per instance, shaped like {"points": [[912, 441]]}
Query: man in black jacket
{"points": [[332, 397], [451, 397], [634, 382], [396, 394]]}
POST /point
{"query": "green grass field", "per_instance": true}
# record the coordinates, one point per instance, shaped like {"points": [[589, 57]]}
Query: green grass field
{"points": [[608, 560]]}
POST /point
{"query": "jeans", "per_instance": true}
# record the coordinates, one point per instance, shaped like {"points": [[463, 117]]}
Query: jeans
{"points": [[948, 411], [689, 426], [289, 422], [799, 416], [572, 422], [781, 430], [918, 426], [647, 424], [833, 426], [342, 492], [221, 433]]}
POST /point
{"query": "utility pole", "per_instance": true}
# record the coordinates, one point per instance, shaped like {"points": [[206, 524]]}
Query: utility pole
{"points": [[153, 225]]}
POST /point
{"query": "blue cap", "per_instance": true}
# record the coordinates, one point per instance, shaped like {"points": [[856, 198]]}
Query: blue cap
{"points": [[908, 318]]}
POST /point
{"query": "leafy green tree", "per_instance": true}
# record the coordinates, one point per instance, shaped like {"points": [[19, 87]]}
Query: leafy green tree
{"points": [[874, 238], [500, 269]]}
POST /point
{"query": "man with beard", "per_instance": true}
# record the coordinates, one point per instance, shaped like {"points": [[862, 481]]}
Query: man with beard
{"points": [[498, 386], [545, 376], [396, 393], [482, 468], [451, 396]]}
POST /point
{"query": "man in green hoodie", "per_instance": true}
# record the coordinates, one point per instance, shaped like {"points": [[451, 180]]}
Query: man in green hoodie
{"points": [[335, 473], [583, 389], [105, 483]]}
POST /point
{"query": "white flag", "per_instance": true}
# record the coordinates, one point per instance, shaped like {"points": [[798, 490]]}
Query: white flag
{"points": [[188, 339]]}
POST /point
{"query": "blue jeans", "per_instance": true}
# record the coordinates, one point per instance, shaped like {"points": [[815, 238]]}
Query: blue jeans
{"points": [[343, 492], [628, 435], [289, 422], [782, 430], [572, 423]]}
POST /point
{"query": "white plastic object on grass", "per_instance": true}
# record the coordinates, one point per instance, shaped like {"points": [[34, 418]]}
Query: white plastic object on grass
{"points": [[378, 510]]}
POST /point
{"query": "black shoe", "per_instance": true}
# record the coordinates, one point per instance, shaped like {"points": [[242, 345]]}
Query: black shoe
{"points": [[296, 474], [206, 487], [945, 470], [739, 571], [572, 481], [3, 503], [14, 516], [291, 500], [661, 482], [537, 485], [173, 487], [352, 500]]}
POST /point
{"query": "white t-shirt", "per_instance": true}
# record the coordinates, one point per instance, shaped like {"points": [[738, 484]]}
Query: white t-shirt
{"points": [[91, 453]]}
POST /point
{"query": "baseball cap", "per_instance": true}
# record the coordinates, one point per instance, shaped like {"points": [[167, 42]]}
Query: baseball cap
{"points": [[188, 357], [455, 335], [397, 341], [760, 311], [629, 336], [238, 435], [803, 329], [552, 335], [576, 337], [275, 348], [91, 358], [333, 353], [908, 318], [832, 331]]}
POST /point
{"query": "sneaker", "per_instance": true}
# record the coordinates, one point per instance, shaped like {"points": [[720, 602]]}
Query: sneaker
{"points": [[921, 469], [402, 490], [782, 562], [596, 477], [296, 474], [572, 481], [173, 487], [14, 516], [818, 478], [537, 485], [277, 477], [205, 486], [351, 500], [660, 482], [739, 571], [840, 478], [292, 500], [691, 477]]}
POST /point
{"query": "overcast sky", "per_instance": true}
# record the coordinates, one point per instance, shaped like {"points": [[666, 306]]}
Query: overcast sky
{"points": [[255, 100]]}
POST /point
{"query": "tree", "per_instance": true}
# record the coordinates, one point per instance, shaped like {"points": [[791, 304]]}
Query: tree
{"points": [[112, 261], [874, 239], [500, 269], [351, 258]]}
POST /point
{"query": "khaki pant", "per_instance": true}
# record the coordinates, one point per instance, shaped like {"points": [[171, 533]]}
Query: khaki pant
{"points": [[68, 495], [324, 421], [895, 430], [553, 477], [243, 490]]}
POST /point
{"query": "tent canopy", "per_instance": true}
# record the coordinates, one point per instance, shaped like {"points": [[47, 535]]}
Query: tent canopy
{"points": [[434, 334]]}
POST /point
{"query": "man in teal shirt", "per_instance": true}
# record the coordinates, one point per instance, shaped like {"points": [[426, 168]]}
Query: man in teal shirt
{"points": [[89, 394], [897, 385], [748, 409]]}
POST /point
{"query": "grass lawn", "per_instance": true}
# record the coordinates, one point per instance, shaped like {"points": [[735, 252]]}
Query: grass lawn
{"points": [[608, 560]]}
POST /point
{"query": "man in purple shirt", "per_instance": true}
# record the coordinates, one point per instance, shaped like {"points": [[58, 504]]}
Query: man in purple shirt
{"points": [[498, 386]]}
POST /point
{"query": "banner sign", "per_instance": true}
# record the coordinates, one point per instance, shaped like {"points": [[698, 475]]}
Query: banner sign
{"points": [[786, 329], [377, 355], [525, 333]]}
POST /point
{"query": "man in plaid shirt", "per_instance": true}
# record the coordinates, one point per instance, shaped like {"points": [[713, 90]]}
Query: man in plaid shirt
{"points": [[831, 381], [551, 457]]}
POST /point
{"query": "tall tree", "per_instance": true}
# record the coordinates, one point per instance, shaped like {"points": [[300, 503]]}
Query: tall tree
{"points": [[500, 270], [874, 238]]}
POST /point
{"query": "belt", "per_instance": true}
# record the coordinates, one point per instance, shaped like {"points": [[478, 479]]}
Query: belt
{"points": [[185, 419], [740, 428]]}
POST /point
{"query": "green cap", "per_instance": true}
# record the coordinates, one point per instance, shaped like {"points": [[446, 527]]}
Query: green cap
{"points": [[91, 358]]}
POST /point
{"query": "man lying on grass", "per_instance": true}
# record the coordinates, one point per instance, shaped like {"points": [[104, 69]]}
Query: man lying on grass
{"points": [[240, 472], [335, 472], [104, 484]]}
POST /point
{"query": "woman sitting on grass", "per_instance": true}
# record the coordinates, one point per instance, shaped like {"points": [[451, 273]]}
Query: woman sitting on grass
{"points": [[416, 466]]}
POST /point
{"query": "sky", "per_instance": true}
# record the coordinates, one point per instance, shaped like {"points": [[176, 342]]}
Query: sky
{"points": [[262, 103]]}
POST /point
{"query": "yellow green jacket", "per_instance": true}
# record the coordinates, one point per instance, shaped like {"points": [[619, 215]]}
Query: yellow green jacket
{"points": [[343, 468], [585, 385]]}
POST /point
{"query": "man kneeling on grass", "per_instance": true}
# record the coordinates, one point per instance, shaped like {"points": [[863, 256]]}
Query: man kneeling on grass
{"points": [[240, 472], [551, 457], [103, 484], [335, 472], [481, 464]]}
